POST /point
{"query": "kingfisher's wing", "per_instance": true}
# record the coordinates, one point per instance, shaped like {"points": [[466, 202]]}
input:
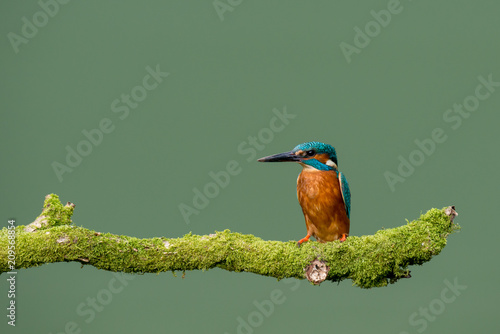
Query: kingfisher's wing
{"points": [[346, 193]]}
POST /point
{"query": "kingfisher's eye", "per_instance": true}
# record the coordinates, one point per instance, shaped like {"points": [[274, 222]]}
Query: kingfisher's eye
{"points": [[310, 153]]}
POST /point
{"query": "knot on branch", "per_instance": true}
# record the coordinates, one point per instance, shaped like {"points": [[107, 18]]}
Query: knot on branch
{"points": [[450, 212], [316, 271], [53, 214]]}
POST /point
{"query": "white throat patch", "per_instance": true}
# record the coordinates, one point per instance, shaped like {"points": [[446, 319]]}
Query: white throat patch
{"points": [[308, 167]]}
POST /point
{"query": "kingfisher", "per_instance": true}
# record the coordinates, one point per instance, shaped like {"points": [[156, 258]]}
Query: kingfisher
{"points": [[322, 191]]}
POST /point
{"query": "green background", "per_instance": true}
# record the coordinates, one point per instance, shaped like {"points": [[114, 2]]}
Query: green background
{"points": [[226, 77]]}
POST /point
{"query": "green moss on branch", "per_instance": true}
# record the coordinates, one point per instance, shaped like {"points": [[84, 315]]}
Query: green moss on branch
{"points": [[369, 261]]}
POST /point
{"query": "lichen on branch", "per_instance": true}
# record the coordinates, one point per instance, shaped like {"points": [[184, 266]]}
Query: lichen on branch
{"points": [[369, 261]]}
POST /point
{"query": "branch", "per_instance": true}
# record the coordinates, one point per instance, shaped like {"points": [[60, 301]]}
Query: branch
{"points": [[369, 261]]}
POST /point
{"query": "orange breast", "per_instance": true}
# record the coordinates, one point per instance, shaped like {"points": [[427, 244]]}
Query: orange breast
{"points": [[321, 199]]}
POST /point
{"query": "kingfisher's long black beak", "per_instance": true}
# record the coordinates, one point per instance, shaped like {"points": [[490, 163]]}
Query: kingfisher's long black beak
{"points": [[287, 156]]}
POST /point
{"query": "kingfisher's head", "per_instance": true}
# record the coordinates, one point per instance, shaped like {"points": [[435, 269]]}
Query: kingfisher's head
{"points": [[312, 154]]}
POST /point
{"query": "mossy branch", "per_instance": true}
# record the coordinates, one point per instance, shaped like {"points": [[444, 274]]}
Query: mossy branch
{"points": [[369, 261]]}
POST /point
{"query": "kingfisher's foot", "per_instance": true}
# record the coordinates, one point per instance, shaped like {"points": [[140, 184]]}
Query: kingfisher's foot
{"points": [[306, 238], [343, 238]]}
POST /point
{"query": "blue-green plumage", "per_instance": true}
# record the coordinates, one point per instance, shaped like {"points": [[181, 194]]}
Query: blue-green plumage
{"points": [[346, 194], [318, 148]]}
